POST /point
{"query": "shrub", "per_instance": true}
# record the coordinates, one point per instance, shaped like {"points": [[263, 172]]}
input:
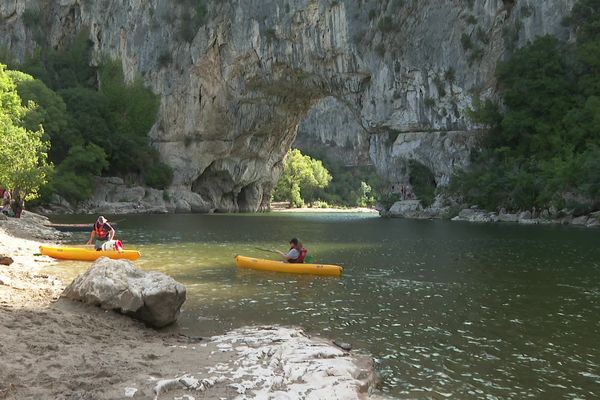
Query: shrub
{"points": [[387, 24], [466, 42], [159, 176], [423, 182], [165, 59], [32, 17]]}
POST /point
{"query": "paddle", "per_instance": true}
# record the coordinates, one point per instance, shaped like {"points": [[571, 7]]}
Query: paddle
{"points": [[308, 259], [267, 250]]}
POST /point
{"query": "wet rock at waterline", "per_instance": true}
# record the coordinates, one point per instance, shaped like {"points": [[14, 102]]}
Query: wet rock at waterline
{"points": [[406, 209], [473, 215], [151, 297], [32, 226]]}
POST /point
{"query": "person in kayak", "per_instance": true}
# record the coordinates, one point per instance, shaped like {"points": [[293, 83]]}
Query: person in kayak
{"points": [[103, 233], [296, 254]]}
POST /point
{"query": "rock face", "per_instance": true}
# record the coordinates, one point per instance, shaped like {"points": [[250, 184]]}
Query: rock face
{"points": [[474, 215], [406, 209], [151, 297], [371, 81]]}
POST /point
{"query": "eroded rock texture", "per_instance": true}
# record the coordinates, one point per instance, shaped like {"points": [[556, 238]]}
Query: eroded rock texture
{"points": [[373, 81]]}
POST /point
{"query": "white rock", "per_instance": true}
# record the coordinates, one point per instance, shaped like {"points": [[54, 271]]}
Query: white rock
{"points": [[152, 297]]}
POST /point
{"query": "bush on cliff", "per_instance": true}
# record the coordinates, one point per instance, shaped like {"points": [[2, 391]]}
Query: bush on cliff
{"points": [[423, 182], [544, 148]]}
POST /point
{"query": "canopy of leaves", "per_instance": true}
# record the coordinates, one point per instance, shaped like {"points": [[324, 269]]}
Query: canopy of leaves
{"points": [[544, 149], [95, 121], [301, 176], [51, 113], [23, 164]]}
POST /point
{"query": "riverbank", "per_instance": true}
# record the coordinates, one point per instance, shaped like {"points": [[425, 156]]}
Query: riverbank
{"points": [[412, 209], [363, 210], [55, 348]]}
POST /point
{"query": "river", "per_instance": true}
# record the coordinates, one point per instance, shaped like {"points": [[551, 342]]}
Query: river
{"points": [[447, 309]]}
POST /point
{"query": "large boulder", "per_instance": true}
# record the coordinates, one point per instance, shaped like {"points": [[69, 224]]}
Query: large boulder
{"points": [[406, 209], [151, 297]]}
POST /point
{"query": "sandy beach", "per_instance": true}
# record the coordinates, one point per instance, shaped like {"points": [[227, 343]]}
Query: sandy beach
{"points": [[53, 348]]}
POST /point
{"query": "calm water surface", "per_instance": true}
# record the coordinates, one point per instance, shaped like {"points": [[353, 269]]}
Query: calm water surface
{"points": [[447, 309]]}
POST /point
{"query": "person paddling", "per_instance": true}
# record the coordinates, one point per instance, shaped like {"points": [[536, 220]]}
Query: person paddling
{"points": [[296, 254], [103, 233]]}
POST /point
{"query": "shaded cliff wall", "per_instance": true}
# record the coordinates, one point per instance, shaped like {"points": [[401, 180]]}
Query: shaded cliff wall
{"points": [[382, 81]]}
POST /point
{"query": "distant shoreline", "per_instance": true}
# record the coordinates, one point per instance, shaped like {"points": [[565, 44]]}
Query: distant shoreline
{"points": [[363, 210]]}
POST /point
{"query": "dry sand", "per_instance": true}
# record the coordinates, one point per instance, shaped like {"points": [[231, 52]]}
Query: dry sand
{"points": [[53, 348]]}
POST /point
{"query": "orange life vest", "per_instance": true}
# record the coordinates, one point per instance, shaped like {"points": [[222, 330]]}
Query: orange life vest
{"points": [[102, 230], [301, 256]]}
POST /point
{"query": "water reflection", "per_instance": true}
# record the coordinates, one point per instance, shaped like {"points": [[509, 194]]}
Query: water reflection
{"points": [[448, 309]]}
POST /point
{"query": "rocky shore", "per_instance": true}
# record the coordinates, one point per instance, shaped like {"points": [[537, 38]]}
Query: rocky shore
{"points": [[111, 195], [412, 209], [53, 347]]}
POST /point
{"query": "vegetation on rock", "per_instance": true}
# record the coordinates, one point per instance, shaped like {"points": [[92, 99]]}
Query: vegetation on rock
{"points": [[544, 146], [94, 121]]}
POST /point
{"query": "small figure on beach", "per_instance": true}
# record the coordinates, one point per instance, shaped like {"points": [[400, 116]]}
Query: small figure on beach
{"points": [[103, 232], [6, 202], [296, 254], [18, 204]]}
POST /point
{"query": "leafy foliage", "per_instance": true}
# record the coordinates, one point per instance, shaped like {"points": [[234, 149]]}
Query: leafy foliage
{"points": [[61, 69], [301, 177], [51, 113], [23, 164], [133, 109], [423, 182], [350, 186], [75, 175], [544, 149], [95, 121]]}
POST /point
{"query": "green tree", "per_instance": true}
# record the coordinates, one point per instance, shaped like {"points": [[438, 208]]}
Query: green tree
{"points": [[301, 176], [543, 149], [423, 182], [51, 113], [23, 164], [74, 177], [133, 109], [63, 68]]}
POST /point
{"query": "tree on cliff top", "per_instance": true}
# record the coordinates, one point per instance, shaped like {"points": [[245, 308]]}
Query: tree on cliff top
{"points": [[23, 164], [301, 177]]}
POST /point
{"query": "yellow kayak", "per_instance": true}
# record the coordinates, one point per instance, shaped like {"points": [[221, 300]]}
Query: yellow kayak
{"points": [[76, 253], [280, 266]]}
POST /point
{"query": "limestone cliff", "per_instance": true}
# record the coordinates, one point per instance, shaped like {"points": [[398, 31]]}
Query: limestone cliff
{"points": [[379, 82]]}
